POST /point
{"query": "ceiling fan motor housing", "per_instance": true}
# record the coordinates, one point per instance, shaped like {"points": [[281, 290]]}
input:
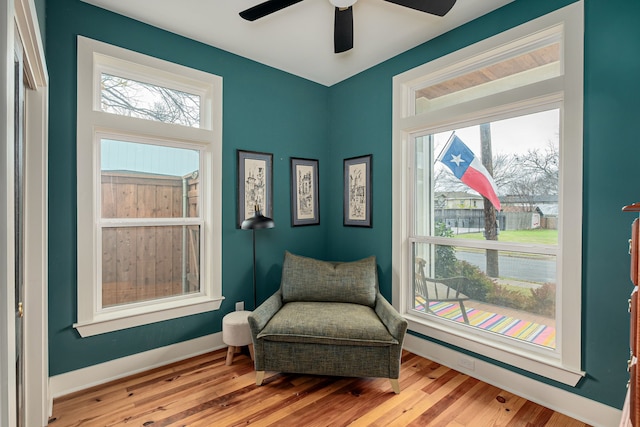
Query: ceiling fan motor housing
{"points": [[342, 4]]}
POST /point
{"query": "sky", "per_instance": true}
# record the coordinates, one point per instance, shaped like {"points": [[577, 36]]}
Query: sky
{"points": [[148, 158], [510, 136]]}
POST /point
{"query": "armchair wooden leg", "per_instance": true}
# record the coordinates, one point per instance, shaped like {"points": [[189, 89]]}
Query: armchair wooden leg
{"points": [[395, 385], [259, 377]]}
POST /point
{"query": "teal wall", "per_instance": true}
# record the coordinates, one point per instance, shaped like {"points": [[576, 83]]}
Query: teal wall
{"points": [[263, 110], [42, 22], [268, 110], [360, 117]]}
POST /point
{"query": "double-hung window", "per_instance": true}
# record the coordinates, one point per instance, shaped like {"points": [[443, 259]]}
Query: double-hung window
{"points": [[487, 196], [149, 189]]}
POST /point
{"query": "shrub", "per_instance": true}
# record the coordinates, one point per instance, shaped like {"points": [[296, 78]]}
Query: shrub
{"points": [[477, 284], [505, 297], [543, 300], [445, 255]]}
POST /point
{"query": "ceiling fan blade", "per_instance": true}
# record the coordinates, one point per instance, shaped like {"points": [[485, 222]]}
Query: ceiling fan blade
{"points": [[434, 7], [266, 8], [343, 30]]}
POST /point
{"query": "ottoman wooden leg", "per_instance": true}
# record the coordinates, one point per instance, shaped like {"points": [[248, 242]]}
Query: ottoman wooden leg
{"points": [[230, 352], [251, 352]]}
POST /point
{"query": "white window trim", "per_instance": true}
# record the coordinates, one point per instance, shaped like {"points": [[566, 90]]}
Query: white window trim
{"points": [[91, 121], [565, 365]]}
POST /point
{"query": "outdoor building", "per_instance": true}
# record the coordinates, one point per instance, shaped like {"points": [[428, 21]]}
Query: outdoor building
{"points": [[464, 212]]}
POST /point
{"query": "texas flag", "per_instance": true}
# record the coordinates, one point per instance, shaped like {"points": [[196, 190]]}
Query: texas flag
{"points": [[469, 169]]}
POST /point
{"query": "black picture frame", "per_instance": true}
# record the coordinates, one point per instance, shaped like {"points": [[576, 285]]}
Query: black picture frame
{"points": [[305, 202], [255, 184], [357, 203]]}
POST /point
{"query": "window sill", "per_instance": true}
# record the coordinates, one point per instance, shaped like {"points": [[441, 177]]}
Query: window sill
{"points": [[130, 318], [546, 367]]}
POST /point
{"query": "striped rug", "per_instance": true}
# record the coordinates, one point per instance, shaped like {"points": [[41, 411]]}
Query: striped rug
{"points": [[532, 332]]}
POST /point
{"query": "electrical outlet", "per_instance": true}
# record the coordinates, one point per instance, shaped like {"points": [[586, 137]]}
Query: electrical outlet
{"points": [[240, 306], [467, 363]]}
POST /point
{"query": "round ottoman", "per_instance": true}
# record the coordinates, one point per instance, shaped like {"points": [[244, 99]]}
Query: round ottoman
{"points": [[236, 333]]}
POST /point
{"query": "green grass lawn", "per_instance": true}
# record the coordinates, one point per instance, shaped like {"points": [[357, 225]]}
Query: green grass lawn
{"points": [[538, 236]]}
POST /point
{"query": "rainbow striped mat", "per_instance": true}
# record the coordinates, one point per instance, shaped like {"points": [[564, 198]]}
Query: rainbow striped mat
{"points": [[505, 325]]}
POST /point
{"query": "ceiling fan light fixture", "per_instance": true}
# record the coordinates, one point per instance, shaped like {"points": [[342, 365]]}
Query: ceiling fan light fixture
{"points": [[343, 4]]}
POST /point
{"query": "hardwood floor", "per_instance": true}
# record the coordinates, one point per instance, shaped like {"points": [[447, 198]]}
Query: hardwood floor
{"points": [[203, 391]]}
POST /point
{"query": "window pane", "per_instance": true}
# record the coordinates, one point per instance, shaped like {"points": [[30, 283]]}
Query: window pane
{"points": [[497, 181], [519, 302], [516, 160], [148, 181], [148, 263], [131, 98], [524, 68]]}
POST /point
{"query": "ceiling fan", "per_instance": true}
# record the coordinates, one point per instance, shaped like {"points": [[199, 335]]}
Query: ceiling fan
{"points": [[343, 24]]}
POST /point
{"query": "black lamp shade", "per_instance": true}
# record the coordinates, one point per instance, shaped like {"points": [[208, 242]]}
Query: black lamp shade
{"points": [[257, 221]]}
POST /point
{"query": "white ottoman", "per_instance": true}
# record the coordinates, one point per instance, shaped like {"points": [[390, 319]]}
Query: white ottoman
{"points": [[236, 333]]}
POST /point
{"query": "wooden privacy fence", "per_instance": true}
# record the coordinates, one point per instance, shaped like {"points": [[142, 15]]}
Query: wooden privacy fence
{"points": [[140, 263]]}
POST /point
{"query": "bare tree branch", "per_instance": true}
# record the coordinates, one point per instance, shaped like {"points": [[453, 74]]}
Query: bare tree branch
{"points": [[135, 99]]}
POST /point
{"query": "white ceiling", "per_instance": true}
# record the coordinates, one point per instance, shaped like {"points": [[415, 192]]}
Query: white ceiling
{"points": [[299, 38]]}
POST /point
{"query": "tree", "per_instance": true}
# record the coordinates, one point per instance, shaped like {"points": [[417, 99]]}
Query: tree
{"points": [[136, 99], [541, 167], [490, 223]]}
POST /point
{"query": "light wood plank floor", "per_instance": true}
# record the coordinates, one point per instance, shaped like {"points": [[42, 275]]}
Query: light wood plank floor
{"points": [[203, 391]]}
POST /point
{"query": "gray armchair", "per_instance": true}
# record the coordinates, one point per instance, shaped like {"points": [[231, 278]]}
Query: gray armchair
{"points": [[328, 318]]}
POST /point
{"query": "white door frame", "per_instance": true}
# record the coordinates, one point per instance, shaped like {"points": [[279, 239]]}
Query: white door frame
{"points": [[20, 16], [7, 252]]}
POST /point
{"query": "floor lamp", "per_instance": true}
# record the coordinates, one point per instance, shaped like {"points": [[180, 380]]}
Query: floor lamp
{"points": [[256, 222]]}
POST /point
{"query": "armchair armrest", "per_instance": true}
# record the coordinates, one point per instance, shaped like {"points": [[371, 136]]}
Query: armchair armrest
{"points": [[261, 315], [396, 324]]}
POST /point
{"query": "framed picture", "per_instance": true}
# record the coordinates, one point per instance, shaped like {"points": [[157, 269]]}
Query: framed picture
{"points": [[357, 191], [255, 184], [304, 192]]}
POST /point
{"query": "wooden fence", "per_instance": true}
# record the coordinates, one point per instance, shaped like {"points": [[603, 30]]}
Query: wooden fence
{"points": [[143, 263]]}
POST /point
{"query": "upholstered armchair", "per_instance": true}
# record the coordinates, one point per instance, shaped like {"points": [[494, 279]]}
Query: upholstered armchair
{"points": [[328, 318]]}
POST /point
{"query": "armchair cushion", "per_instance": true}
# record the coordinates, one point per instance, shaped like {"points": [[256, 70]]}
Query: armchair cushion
{"points": [[327, 323], [307, 279]]}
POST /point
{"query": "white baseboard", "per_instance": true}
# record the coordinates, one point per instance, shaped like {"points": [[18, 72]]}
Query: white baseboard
{"points": [[80, 379], [570, 404]]}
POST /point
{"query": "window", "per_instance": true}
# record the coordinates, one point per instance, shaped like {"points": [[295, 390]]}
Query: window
{"points": [[487, 196], [149, 189], [126, 97]]}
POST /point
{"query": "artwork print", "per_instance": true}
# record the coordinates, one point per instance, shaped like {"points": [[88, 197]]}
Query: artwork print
{"points": [[254, 184], [357, 191], [304, 192]]}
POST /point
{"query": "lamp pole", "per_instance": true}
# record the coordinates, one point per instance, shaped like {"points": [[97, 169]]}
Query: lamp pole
{"points": [[255, 298], [257, 221]]}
